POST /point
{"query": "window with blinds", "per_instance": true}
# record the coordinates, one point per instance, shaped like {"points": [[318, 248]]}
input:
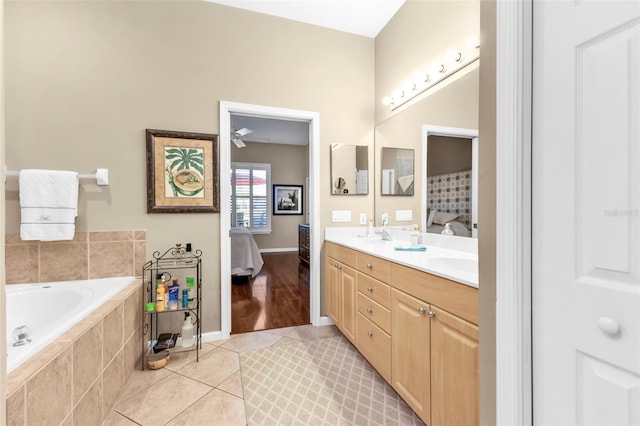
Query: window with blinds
{"points": [[250, 203]]}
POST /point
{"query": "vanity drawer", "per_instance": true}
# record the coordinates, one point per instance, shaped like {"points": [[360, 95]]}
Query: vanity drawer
{"points": [[374, 266], [374, 289], [456, 298], [375, 312], [341, 254], [375, 345]]}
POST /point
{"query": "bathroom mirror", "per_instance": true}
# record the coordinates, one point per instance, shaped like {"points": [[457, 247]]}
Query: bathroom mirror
{"points": [[349, 169], [397, 174]]}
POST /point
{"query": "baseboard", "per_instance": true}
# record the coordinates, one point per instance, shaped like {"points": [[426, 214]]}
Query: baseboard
{"points": [[325, 321], [278, 250], [213, 336]]}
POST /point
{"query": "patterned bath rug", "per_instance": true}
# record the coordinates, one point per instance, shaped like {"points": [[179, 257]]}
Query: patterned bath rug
{"points": [[322, 382]]}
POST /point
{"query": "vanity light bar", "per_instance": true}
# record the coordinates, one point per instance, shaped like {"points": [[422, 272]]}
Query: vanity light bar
{"points": [[454, 61]]}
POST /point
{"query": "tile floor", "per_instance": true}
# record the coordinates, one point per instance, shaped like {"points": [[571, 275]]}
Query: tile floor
{"points": [[186, 392]]}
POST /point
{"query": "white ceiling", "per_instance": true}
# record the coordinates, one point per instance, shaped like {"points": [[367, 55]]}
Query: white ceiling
{"points": [[270, 130], [363, 17]]}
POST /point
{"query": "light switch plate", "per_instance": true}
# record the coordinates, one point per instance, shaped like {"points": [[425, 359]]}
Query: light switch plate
{"points": [[341, 216], [404, 215], [363, 218]]}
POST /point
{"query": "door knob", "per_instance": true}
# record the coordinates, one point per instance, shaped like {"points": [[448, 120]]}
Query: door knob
{"points": [[608, 326]]}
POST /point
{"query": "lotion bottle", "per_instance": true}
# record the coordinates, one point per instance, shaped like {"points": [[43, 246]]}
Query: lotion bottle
{"points": [[415, 236], [187, 331], [160, 295]]}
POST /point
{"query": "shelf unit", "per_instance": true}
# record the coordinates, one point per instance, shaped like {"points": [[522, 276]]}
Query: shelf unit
{"points": [[177, 262]]}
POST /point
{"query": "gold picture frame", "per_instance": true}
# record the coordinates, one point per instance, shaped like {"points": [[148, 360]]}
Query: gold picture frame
{"points": [[182, 172]]}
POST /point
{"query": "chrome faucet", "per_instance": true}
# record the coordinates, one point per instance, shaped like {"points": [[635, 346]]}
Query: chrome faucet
{"points": [[385, 234]]}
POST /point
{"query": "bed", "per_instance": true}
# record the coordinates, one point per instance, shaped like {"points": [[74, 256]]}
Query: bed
{"points": [[245, 256], [449, 201]]}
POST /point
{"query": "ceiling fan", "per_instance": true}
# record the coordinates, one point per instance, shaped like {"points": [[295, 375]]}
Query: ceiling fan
{"points": [[236, 138]]}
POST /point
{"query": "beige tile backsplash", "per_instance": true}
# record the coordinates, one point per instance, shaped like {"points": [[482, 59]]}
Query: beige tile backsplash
{"points": [[94, 254]]}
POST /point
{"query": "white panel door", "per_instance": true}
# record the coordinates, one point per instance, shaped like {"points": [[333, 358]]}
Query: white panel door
{"points": [[586, 212]]}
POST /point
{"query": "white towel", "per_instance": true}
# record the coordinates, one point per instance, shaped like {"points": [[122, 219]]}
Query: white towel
{"points": [[48, 204]]}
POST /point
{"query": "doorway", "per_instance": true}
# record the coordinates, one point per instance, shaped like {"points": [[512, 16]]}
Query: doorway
{"points": [[227, 111]]}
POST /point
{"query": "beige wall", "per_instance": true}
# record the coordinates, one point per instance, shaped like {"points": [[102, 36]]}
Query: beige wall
{"points": [[84, 80], [289, 166], [448, 155], [419, 33], [487, 214]]}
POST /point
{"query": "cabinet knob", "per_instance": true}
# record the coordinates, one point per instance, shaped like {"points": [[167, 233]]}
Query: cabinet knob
{"points": [[422, 310], [431, 314], [370, 310], [370, 333], [338, 266], [370, 266], [370, 289]]}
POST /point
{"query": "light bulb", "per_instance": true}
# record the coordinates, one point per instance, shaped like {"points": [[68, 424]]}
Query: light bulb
{"points": [[453, 56], [472, 42], [387, 100], [409, 87]]}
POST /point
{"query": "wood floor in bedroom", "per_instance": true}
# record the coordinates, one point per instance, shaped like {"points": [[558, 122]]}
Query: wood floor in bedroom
{"points": [[277, 297]]}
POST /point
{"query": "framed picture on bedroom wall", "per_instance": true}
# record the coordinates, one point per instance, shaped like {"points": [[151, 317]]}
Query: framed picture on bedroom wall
{"points": [[182, 172], [287, 199]]}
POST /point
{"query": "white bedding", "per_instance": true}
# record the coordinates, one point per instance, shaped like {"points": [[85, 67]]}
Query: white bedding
{"points": [[245, 256]]}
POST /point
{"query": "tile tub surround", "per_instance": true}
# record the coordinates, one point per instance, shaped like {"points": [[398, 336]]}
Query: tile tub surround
{"points": [[93, 254], [78, 378]]}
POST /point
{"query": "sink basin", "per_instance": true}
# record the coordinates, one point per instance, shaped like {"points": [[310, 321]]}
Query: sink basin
{"points": [[462, 265]]}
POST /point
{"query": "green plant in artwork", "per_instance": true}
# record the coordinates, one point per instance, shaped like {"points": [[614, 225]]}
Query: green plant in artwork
{"points": [[185, 168]]}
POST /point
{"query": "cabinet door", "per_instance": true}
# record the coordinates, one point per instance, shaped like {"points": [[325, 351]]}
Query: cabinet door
{"points": [[410, 352], [454, 370], [348, 301], [333, 290]]}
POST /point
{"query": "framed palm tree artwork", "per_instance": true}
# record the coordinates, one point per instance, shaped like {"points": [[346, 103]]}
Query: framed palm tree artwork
{"points": [[182, 172]]}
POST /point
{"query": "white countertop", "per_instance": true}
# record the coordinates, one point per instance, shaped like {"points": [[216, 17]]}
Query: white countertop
{"points": [[450, 257]]}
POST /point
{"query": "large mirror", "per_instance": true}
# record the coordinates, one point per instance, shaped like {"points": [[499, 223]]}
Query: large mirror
{"points": [[397, 174], [349, 169]]}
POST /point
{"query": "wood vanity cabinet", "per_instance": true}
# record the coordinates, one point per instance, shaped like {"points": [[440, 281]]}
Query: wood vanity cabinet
{"points": [[341, 289], [435, 346], [418, 330]]}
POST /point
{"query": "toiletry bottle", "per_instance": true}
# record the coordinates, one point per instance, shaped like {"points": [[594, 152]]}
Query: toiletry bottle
{"points": [[414, 236], [447, 230], [187, 331], [185, 298], [191, 282], [174, 292], [160, 296]]}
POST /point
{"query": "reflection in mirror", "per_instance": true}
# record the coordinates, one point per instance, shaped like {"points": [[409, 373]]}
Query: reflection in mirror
{"points": [[397, 171], [451, 171], [349, 169]]}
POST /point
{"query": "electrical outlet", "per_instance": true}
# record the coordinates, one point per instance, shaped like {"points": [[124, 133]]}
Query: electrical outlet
{"points": [[363, 218]]}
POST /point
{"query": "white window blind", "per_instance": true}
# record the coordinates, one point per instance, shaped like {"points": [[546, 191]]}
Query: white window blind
{"points": [[250, 203]]}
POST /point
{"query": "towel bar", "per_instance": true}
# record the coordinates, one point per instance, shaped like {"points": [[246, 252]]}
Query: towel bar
{"points": [[101, 176]]}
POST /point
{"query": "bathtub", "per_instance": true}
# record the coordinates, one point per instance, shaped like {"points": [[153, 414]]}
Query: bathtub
{"points": [[50, 309]]}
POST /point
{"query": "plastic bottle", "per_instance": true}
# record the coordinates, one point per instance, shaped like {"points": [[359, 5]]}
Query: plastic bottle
{"points": [[415, 236], [174, 293], [191, 282], [187, 331], [160, 296], [185, 298]]}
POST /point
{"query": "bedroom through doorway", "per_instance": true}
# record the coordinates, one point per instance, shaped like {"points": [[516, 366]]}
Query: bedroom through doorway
{"points": [[270, 283]]}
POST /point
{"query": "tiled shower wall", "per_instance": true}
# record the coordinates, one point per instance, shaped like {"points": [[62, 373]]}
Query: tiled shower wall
{"points": [[93, 254]]}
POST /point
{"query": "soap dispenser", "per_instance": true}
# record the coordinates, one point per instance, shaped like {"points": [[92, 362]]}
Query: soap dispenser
{"points": [[187, 331], [447, 230]]}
